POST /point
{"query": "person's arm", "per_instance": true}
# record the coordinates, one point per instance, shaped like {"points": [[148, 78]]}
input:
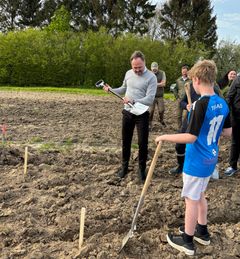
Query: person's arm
{"points": [[182, 138], [163, 81], [227, 132], [120, 90]]}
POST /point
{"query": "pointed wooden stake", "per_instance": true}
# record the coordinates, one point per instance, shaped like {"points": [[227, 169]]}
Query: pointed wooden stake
{"points": [[81, 230], [25, 161]]}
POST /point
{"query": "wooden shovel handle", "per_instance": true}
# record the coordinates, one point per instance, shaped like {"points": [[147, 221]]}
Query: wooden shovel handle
{"points": [[187, 90], [151, 169]]}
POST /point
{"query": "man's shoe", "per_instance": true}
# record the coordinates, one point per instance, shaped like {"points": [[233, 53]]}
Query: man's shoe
{"points": [[142, 174], [123, 170], [177, 242], [176, 170], [230, 171], [201, 239], [122, 173]]}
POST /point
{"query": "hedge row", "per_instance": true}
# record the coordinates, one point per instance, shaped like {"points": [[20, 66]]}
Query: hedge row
{"points": [[36, 57]]}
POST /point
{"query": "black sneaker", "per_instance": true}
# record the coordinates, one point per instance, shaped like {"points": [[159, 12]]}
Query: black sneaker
{"points": [[201, 239], [177, 242], [176, 170]]}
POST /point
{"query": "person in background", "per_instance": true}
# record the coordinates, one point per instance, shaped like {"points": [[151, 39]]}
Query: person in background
{"points": [[233, 99], [225, 82], [139, 85], [209, 118], [179, 92], [180, 147], [158, 101]]}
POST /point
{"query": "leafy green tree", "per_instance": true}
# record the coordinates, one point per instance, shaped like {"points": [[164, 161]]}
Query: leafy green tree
{"points": [[136, 15], [93, 14], [171, 19], [201, 25], [191, 20], [30, 13], [60, 20], [8, 14], [47, 11], [227, 57], [115, 15]]}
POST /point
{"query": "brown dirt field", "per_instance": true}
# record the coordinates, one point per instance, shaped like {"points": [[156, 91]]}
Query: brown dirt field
{"points": [[74, 152]]}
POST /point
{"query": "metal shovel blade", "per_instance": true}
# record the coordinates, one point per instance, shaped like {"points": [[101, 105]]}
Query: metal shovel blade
{"points": [[138, 108], [126, 238]]}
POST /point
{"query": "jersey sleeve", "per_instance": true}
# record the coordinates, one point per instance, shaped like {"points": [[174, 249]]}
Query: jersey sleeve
{"points": [[197, 116], [227, 122]]}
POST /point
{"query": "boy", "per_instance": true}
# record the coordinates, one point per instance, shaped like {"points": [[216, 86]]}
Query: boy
{"points": [[208, 118]]}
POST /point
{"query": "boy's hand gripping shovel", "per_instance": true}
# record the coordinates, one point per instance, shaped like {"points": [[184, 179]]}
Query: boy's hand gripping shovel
{"points": [[136, 108], [144, 190]]}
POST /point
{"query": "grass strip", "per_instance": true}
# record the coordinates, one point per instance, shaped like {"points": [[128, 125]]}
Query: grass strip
{"points": [[73, 90]]}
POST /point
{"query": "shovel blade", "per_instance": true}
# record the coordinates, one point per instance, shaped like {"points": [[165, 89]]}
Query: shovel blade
{"points": [[126, 238], [138, 108]]}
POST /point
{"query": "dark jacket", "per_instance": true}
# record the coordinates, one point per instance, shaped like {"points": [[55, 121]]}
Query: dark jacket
{"points": [[233, 98], [194, 97]]}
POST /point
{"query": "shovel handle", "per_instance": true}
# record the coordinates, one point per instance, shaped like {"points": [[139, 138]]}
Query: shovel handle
{"points": [[119, 96], [187, 90], [146, 184], [151, 169]]}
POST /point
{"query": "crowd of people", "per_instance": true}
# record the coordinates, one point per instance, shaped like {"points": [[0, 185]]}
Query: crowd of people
{"points": [[203, 115]]}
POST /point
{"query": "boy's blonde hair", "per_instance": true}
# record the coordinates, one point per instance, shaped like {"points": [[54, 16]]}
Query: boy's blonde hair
{"points": [[205, 71]]}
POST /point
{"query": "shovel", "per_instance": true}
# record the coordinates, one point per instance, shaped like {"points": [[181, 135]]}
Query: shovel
{"points": [[136, 108], [144, 190]]}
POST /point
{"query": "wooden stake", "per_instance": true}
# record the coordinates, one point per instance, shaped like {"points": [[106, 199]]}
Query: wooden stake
{"points": [[81, 230], [25, 161]]}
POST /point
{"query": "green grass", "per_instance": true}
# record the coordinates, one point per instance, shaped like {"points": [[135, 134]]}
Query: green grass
{"points": [[134, 146], [76, 90], [73, 90]]}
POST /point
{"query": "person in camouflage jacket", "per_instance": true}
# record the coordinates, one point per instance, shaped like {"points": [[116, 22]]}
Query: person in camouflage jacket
{"points": [[179, 93]]}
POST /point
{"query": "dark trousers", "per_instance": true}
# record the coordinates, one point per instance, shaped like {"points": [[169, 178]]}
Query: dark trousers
{"points": [[129, 121], [235, 146], [180, 148]]}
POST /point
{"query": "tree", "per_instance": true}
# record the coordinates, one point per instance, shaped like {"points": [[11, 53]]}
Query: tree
{"points": [[190, 20], [115, 15], [30, 13], [136, 15], [170, 19], [201, 26], [47, 11], [60, 20], [227, 57], [8, 14]]}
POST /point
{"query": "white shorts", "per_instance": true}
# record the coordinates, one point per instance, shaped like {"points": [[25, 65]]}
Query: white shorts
{"points": [[194, 186]]}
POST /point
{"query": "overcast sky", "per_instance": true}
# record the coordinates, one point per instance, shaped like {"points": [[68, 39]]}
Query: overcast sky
{"points": [[228, 18]]}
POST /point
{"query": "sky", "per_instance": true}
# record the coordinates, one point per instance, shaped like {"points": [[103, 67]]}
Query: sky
{"points": [[228, 19]]}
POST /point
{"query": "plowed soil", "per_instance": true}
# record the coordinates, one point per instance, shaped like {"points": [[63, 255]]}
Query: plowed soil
{"points": [[74, 144]]}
